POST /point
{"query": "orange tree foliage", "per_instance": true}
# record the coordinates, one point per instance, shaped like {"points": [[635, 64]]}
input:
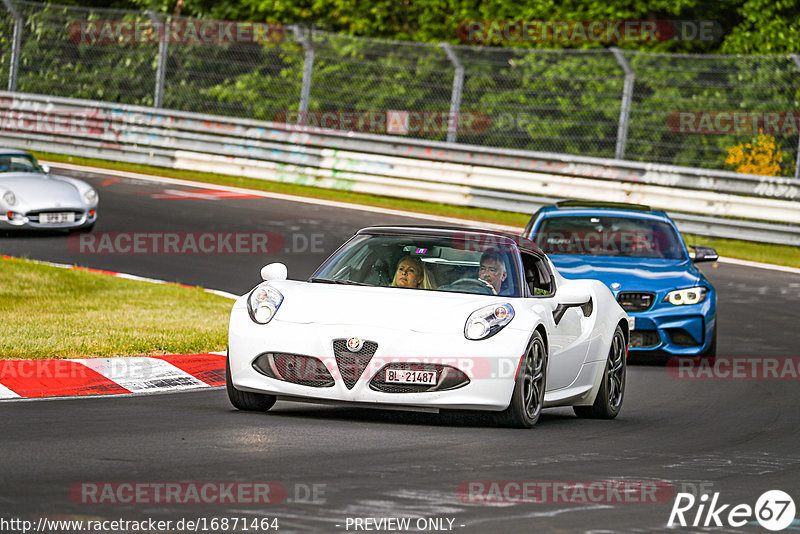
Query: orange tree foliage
{"points": [[761, 156]]}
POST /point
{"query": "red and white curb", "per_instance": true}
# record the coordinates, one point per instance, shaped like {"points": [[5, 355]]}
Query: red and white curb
{"points": [[35, 379]]}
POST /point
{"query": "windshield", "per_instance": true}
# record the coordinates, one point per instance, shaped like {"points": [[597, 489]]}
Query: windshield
{"points": [[609, 236], [18, 163], [461, 265]]}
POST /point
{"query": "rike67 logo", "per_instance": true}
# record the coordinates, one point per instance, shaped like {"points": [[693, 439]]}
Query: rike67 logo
{"points": [[774, 510]]}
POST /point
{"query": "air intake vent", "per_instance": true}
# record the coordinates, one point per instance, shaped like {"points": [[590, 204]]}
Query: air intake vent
{"points": [[352, 364], [294, 368], [644, 339]]}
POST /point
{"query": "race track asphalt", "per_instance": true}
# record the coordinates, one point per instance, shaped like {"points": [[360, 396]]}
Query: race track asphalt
{"points": [[736, 437]]}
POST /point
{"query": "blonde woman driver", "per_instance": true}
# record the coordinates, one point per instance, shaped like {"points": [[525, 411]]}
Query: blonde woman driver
{"points": [[411, 272]]}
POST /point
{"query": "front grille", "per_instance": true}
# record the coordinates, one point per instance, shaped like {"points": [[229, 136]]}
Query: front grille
{"points": [[33, 216], [636, 301], [448, 378], [352, 364], [294, 368], [643, 339]]}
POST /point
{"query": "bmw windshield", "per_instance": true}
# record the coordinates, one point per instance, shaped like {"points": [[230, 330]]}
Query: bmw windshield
{"points": [[609, 236], [466, 264]]}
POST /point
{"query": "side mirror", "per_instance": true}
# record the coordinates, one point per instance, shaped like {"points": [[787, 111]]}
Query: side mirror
{"points": [[274, 271], [572, 296], [704, 254], [45, 168]]}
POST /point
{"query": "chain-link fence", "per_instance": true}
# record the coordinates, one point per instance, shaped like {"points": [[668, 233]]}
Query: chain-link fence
{"points": [[661, 108]]}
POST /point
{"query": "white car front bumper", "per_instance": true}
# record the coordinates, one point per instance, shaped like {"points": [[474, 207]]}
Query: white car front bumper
{"points": [[490, 364]]}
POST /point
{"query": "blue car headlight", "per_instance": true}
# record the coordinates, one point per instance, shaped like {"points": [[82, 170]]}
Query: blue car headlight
{"points": [[487, 321], [684, 297], [263, 302]]}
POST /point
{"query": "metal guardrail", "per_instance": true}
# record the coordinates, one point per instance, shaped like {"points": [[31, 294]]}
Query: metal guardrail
{"points": [[708, 202]]}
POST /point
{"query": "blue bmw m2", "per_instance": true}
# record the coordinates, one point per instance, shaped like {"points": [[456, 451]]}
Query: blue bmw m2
{"points": [[640, 255]]}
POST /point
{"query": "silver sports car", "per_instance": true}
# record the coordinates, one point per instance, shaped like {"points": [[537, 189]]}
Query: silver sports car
{"points": [[31, 198]]}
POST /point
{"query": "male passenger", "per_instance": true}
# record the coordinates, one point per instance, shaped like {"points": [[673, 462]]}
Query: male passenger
{"points": [[492, 270]]}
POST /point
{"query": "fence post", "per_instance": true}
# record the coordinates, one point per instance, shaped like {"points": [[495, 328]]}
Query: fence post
{"points": [[161, 66], [302, 36], [15, 46], [627, 96], [455, 97], [796, 60]]}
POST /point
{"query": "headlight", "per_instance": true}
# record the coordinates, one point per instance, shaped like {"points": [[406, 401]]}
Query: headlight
{"points": [[9, 198], [682, 297], [487, 321], [263, 302], [90, 196]]}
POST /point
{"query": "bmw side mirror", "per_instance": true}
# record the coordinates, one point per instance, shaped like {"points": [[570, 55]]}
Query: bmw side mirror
{"points": [[45, 168], [274, 271], [704, 254]]}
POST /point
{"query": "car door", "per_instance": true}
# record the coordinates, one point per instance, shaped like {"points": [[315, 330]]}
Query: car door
{"points": [[568, 342]]}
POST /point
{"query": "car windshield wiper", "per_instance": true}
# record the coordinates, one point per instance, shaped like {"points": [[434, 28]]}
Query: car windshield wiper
{"points": [[343, 282]]}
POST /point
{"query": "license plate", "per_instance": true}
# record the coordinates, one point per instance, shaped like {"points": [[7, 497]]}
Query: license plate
{"points": [[56, 218], [399, 376]]}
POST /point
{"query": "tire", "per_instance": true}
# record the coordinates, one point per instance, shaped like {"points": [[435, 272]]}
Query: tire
{"points": [[609, 398], [245, 400], [527, 400]]}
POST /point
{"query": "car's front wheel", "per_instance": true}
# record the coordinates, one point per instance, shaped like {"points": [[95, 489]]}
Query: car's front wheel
{"points": [[527, 400], [245, 400], [608, 402]]}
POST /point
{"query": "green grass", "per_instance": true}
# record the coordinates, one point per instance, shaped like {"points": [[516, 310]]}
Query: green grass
{"points": [[50, 312], [748, 250], [732, 248]]}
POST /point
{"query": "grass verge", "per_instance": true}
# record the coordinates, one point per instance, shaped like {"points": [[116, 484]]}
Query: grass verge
{"points": [[50, 312], [732, 248]]}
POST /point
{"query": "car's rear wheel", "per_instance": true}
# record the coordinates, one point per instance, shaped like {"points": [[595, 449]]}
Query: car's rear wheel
{"points": [[527, 400], [245, 400], [608, 402]]}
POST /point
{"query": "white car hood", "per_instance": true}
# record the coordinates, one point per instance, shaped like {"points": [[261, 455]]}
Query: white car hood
{"points": [[385, 307], [39, 191]]}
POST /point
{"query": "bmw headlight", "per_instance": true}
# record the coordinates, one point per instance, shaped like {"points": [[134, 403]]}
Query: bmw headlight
{"points": [[263, 302], [9, 198], [487, 321], [683, 297], [90, 196]]}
